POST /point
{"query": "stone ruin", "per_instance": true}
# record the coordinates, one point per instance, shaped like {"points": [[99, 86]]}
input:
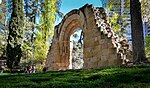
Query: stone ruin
{"points": [[102, 47]]}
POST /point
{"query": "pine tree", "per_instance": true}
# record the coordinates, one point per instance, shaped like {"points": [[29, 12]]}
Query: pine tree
{"points": [[15, 35]]}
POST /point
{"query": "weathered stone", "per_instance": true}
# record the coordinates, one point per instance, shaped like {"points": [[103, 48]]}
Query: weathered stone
{"points": [[102, 47]]}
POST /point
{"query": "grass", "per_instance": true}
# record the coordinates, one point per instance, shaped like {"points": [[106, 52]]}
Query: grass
{"points": [[109, 77]]}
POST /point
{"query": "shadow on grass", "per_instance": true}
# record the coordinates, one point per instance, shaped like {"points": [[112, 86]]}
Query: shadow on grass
{"points": [[93, 78]]}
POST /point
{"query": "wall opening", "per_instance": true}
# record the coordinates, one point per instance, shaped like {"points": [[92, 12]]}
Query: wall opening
{"points": [[76, 50]]}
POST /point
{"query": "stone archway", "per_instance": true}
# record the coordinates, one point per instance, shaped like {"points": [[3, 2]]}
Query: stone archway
{"points": [[101, 46], [76, 50]]}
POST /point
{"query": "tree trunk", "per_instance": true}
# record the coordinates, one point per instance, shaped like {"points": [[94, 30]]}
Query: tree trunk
{"points": [[137, 32]]}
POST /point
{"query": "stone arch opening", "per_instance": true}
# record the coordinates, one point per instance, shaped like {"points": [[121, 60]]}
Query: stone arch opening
{"points": [[70, 26], [76, 50]]}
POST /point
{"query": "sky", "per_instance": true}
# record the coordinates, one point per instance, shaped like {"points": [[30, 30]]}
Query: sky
{"points": [[68, 5]]}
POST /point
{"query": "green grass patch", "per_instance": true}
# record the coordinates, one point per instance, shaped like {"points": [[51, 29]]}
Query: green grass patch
{"points": [[109, 77]]}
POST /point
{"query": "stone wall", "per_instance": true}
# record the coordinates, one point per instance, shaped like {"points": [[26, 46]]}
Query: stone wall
{"points": [[102, 47]]}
